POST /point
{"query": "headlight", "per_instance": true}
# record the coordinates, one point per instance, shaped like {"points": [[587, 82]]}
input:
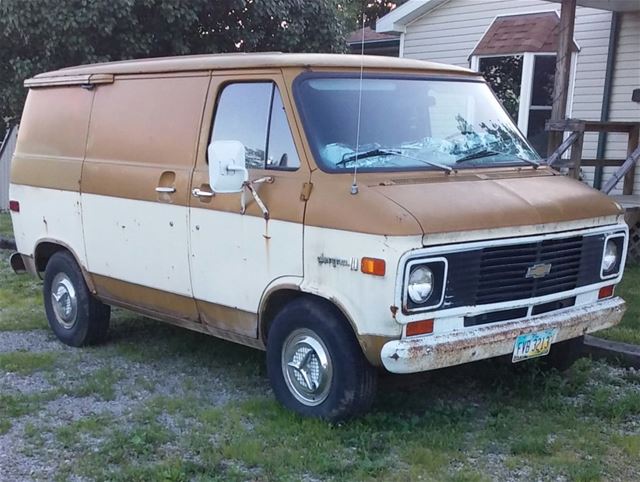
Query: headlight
{"points": [[420, 285], [610, 257]]}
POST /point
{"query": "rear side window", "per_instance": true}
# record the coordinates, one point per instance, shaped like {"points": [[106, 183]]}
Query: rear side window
{"points": [[253, 114]]}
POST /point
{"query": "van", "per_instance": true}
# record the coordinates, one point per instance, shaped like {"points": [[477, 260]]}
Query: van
{"points": [[347, 214]]}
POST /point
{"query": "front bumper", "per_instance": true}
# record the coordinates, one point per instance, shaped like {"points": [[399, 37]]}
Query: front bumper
{"points": [[429, 352]]}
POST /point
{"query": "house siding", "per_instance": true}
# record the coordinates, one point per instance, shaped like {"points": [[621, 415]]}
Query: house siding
{"points": [[626, 77], [449, 34]]}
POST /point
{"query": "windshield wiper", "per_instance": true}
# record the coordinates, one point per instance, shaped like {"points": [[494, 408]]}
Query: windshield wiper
{"points": [[363, 155], [491, 152], [390, 152]]}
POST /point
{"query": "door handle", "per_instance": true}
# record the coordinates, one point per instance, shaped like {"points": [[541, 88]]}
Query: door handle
{"points": [[200, 193], [167, 190]]}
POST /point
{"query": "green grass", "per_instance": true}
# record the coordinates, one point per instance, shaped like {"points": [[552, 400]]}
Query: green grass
{"points": [[628, 330], [20, 296], [25, 363], [6, 228], [101, 383], [20, 299], [544, 421]]}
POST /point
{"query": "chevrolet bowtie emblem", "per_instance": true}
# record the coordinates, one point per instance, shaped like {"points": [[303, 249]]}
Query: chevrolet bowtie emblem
{"points": [[538, 270]]}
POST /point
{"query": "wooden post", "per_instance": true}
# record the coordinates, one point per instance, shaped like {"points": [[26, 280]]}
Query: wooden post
{"points": [[629, 178], [563, 69], [576, 156]]}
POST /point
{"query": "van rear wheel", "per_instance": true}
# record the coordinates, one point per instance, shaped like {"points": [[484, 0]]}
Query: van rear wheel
{"points": [[315, 364], [74, 314]]}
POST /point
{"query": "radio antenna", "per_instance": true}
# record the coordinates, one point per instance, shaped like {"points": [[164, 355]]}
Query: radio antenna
{"points": [[354, 186]]}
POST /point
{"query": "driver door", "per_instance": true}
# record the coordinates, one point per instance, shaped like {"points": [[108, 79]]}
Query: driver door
{"points": [[235, 257]]}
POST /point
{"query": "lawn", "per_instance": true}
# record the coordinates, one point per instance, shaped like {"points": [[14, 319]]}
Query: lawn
{"points": [[161, 403], [629, 330], [5, 225]]}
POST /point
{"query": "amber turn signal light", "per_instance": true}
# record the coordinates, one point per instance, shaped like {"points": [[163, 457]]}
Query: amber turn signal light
{"points": [[374, 266], [423, 327], [14, 206], [606, 292]]}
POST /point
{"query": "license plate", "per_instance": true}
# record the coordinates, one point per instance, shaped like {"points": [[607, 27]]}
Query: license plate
{"points": [[533, 345]]}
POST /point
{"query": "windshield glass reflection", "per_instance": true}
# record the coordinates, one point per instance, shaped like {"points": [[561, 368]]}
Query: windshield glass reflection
{"points": [[408, 124]]}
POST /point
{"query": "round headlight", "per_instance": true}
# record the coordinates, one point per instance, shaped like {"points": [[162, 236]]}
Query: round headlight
{"points": [[420, 285], [610, 256]]}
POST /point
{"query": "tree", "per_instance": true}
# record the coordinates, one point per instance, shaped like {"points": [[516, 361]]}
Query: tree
{"points": [[41, 35], [371, 9]]}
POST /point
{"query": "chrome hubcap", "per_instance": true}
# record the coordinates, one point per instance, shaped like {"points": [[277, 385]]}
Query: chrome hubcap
{"points": [[306, 367], [64, 301]]}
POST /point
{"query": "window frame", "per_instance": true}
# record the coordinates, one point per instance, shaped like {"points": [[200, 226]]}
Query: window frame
{"points": [[274, 86], [526, 84], [404, 76]]}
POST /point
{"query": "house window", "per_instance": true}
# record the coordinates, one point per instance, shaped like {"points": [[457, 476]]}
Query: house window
{"points": [[524, 85], [504, 74], [517, 57], [544, 70]]}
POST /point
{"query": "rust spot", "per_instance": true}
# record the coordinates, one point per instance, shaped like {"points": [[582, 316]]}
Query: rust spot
{"points": [[266, 227], [394, 310]]}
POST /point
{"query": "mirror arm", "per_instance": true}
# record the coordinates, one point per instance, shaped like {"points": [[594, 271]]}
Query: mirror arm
{"points": [[249, 185]]}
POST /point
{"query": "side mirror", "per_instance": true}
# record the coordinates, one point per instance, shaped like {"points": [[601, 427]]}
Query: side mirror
{"points": [[227, 171]]}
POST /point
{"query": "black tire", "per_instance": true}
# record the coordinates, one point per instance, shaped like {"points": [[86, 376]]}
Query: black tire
{"points": [[88, 318], [352, 386], [564, 354]]}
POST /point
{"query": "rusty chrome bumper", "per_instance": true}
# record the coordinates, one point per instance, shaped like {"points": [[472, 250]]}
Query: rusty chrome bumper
{"points": [[429, 352]]}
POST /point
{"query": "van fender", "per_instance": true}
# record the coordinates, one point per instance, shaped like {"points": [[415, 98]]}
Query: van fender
{"points": [[63, 246], [371, 344]]}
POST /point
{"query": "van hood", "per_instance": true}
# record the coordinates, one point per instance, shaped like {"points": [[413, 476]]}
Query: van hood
{"points": [[483, 203]]}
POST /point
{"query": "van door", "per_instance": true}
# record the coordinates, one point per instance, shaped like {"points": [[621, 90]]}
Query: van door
{"points": [[141, 152], [235, 256]]}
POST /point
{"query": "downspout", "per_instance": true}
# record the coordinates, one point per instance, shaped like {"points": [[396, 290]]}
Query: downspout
{"points": [[606, 97]]}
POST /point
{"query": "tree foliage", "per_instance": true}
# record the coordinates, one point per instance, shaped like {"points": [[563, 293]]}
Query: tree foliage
{"points": [[41, 35], [371, 9]]}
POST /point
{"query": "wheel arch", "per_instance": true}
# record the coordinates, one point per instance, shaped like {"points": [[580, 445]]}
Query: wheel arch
{"points": [[46, 248], [278, 297]]}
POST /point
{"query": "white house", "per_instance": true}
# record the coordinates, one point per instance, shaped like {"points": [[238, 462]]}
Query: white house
{"points": [[515, 43]]}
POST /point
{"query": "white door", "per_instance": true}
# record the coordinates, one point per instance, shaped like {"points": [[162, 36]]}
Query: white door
{"points": [[234, 256]]}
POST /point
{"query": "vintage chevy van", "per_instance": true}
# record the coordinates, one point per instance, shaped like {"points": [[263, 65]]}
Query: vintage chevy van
{"points": [[344, 213]]}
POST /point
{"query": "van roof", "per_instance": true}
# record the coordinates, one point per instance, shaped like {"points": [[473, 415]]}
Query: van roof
{"points": [[250, 61]]}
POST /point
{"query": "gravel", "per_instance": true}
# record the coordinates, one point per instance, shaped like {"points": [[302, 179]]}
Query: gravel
{"points": [[27, 458], [33, 341]]}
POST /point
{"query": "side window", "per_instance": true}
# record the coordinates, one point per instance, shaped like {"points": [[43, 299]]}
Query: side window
{"points": [[253, 113], [243, 115], [281, 152]]}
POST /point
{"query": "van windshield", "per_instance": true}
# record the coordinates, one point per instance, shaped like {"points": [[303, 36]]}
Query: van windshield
{"points": [[407, 124]]}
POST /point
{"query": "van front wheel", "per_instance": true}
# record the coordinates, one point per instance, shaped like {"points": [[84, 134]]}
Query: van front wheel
{"points": [[315, 364], [74, 315]]}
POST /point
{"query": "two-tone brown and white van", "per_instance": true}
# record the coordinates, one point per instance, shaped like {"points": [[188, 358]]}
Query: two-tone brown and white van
{"points": [[343, 213]]}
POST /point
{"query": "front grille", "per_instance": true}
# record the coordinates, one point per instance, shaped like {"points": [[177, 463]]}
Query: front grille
{"points": [[503, 270], [499, 273]]}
